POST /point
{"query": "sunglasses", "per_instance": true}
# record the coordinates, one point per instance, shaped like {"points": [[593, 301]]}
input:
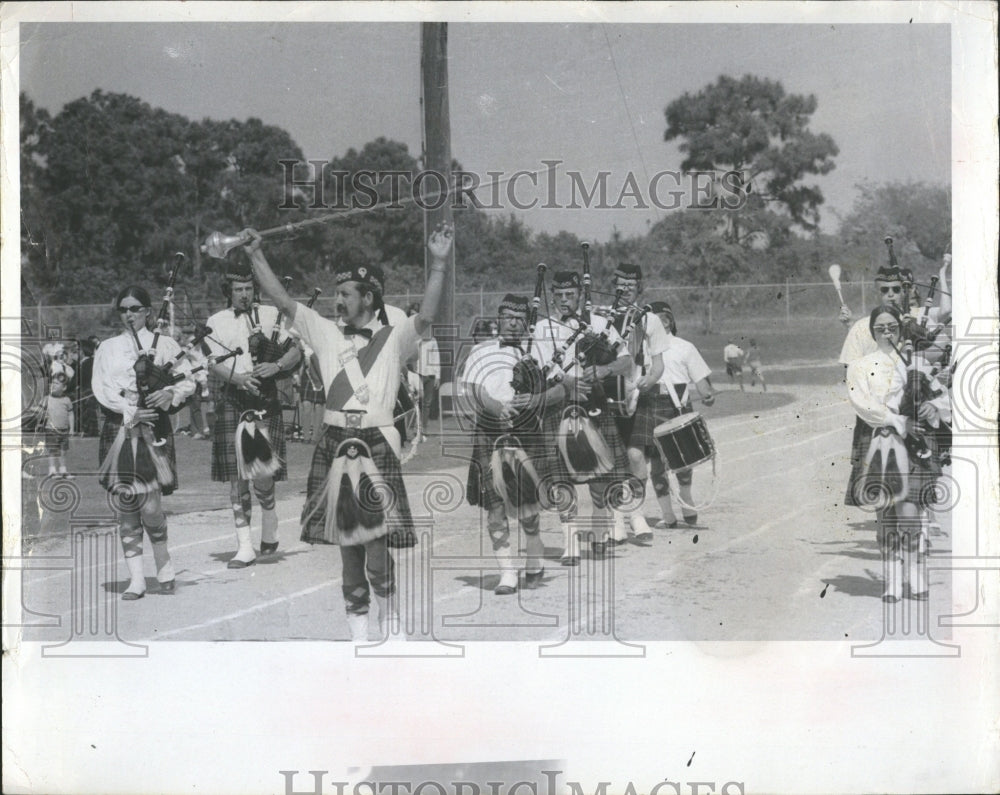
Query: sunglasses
{"points": [[892, 328], [885, 290], [131, 308]]}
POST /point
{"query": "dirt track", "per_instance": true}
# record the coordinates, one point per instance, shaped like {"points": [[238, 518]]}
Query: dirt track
{"points": [[774, 557]]}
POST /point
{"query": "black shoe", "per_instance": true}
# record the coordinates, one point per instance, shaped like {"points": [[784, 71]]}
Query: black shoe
{"points": [[532, 579], [692, 519], [570, 560], [890, 599], [240, 564], [268, 548], [167, 587], [599, 548]]}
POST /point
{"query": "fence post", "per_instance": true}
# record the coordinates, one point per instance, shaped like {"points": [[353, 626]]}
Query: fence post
{"points": [[788, 304]]}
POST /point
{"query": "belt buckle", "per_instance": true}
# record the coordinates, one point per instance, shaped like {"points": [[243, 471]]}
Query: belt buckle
{"points": [[352, 419]]}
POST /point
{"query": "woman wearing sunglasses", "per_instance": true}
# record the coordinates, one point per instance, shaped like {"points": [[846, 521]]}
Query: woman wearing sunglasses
{"points": [[897, 483], [137, 468]]}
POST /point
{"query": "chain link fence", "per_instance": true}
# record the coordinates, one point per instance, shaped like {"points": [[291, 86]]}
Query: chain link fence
{"points": [[704, 309]]}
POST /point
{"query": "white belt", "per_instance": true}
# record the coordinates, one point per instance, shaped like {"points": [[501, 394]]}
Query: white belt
{"points": [[357, 419]]}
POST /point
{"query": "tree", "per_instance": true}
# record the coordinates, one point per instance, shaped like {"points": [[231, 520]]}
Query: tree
{"points": [[35, 125], [750, 125], [916, 215], [120, 186]]}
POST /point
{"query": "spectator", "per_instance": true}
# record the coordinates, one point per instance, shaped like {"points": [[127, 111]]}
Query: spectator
{"points": [[58, 426], [733, 354]]}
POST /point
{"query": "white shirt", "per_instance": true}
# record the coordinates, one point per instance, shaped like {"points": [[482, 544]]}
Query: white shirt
{"points": [[875, 385], [429, 358], [490, 368], [655, 339], [230, 332], [329, 344], [732, 353], [682, 364], [114, 371]]}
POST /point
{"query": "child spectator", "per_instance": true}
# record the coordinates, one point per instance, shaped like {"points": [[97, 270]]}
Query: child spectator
{"points": [[58, 425]]}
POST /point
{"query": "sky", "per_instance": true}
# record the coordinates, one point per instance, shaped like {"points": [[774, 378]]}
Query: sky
{"points": [[589, 95]]}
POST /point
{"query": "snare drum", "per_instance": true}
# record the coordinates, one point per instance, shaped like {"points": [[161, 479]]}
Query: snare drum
{"points": [[684, 441]]}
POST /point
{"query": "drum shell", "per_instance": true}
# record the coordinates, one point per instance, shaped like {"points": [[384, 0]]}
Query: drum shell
{"points": [[684, 442]]}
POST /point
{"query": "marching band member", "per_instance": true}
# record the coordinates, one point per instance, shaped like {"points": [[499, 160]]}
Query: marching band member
{"points": [[893, 476], [552, 336], [682, 365], [135, 466], [246, 453], [355, 490], [860, 343], [509, 449], [646, 342]]}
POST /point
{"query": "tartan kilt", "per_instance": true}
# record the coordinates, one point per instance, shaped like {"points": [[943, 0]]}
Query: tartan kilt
{"points": [[637, 430], [479, 488], [922, 476], [602, 486], [230, 404], [311, 394], [399, 522], [859, 449], [109, 431]]}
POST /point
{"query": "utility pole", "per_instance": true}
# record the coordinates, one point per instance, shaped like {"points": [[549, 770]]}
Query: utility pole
{"points": [[437, 158]]}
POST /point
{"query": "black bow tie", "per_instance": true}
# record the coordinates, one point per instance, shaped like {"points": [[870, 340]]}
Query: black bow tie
{"points": [[238, 312], [569, 317], [353, 331]]}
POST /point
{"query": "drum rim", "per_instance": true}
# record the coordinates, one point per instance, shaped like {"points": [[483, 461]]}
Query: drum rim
{"points": [[676, 422]]}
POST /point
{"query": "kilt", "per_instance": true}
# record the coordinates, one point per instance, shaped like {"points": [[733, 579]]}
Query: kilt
{"points": [[399, 522], [637, 430], [922, 475], [109, 431], [479, 488], [859, 449], [311, 394], [602, 487], [56, 442], [230, 404]]}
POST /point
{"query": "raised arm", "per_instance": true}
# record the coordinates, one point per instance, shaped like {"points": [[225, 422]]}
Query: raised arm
{"points": [[270, 284], [439, 246]]}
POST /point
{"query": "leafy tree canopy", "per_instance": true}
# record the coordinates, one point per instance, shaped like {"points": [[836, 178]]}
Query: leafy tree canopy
{"points": [[751, 125]]}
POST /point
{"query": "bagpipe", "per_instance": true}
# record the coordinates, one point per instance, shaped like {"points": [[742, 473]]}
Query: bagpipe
{"points": [[886, 468], [514, 475], [255, 455], [267, 349], [915, 338], [150, 376], [581, 442]]}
